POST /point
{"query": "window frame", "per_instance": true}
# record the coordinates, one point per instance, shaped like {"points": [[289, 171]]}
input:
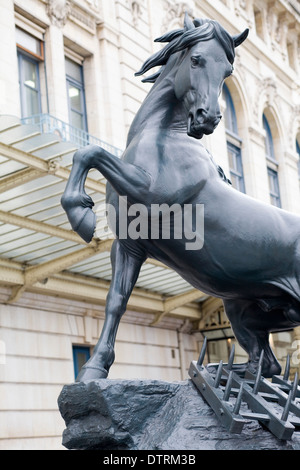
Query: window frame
{"points": [[272, 163], [274, 196], [24, 55], [233, 140], [238, 172], [70, 81]]}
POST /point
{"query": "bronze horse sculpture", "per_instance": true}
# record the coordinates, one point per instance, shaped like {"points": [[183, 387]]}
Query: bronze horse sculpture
{"points": [[250, 253]]}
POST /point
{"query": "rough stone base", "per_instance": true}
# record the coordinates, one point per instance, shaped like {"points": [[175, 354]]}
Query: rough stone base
{"points": [[152, 415]]}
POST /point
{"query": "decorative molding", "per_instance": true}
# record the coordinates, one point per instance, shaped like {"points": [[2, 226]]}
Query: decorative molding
{"points": [[58, 11], [83, 18], [240, 8]]}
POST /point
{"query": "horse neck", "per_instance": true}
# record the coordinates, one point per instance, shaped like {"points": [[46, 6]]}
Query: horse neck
{"points": [[161, 109]]}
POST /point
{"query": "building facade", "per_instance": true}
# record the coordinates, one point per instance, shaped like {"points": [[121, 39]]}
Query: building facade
{"points": [[67, 80]]}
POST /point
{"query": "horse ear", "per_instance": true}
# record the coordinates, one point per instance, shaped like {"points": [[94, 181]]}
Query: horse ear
{"points": [[188, 23], [239, 38]]}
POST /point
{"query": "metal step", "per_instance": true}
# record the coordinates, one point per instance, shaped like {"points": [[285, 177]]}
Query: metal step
{"points": [[273, 404]]}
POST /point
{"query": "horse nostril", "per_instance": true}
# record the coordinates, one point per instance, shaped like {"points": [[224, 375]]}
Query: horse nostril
{"points": [[218, 119], [201, 115]]}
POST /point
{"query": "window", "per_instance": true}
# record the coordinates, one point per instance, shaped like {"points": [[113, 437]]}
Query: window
{"points": [[30, 54], [272, 165], [234, 143], [270, 154], [29, 86], [236, 167], [274, 187], [76, 95], [81, 355]]}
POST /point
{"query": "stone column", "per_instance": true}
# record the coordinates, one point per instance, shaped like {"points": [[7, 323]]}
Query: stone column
{"points": [[55, 61], [9, 78], [259, 186], [113, 111], [290, 187]]}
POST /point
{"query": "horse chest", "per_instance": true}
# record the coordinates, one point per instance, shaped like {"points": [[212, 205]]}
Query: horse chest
{"points": [[178, 172]]}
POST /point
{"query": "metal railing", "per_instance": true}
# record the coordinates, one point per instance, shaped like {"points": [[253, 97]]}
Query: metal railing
{"points": [[67, 133]]}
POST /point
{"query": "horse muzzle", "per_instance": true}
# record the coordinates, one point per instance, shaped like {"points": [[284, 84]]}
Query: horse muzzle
{"points": [[202, 124]]}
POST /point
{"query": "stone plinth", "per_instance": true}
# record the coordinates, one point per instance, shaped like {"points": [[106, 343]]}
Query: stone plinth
{"points": [[152, 415]]}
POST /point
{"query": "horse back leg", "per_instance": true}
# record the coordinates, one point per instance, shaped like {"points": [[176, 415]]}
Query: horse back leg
{"points": [[125, 268], [251, 326], [127, 180]]}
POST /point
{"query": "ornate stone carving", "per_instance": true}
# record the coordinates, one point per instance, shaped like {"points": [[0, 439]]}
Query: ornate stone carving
{"points": [[93, 4], [240, 6], [58, 11], [175, 10], [136, 10], [268, 89]]}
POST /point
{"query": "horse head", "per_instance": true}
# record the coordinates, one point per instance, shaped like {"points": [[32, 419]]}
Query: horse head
{"points": [[201, 74], [206, 55]]}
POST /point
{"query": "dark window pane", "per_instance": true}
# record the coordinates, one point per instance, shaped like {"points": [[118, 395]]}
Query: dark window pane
{"points": [[29, 85], [274, 187], [81, 355], [77, 120], [269, 140], [75, 98], [73, 70], [31, 101], [76, 95], [236, 167], [230, 114]]}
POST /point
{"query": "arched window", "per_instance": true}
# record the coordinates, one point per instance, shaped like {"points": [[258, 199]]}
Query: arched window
{"points": [[272, 165], [234, 143]]}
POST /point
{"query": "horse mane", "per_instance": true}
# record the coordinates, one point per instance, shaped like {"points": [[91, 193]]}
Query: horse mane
{"points": [[180, 39]]}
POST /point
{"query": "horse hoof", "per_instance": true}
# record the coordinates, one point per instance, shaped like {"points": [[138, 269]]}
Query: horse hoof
{"points": [[83, 221], [87, 226], [91, 373]]}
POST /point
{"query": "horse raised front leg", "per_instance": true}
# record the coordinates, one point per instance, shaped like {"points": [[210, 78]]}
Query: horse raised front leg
{"points": [[126, 268], [127, 179]]}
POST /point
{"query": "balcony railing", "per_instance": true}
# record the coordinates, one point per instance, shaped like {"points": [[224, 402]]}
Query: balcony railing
{"points": [[67, 133]]}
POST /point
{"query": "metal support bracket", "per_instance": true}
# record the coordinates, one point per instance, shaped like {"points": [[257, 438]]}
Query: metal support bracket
{"points": [[274, 404]]}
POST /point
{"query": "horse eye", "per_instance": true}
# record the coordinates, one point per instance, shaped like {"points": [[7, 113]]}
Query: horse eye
{"points": [[194, 61]]}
